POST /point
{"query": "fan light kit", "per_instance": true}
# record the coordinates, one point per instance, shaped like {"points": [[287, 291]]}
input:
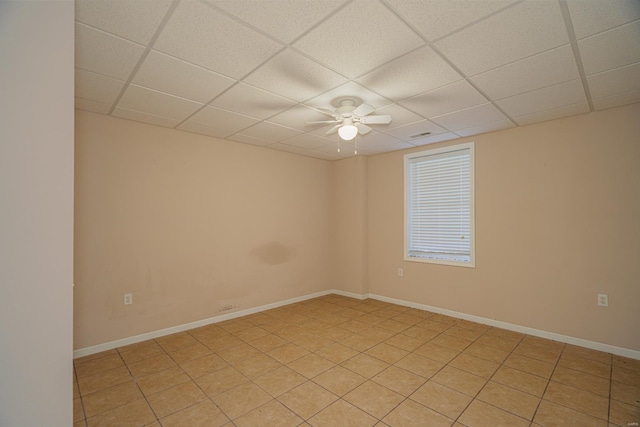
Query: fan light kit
{"points": [[348, 131], [351, 120]]}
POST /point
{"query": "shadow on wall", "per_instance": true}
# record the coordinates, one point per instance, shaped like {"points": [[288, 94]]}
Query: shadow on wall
{"points": [[274, 253]]}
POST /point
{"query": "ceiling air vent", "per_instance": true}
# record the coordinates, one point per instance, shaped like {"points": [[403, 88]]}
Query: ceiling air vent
{"points": [[420, 134]]}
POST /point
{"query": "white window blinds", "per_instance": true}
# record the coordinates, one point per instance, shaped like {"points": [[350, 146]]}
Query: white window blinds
{"points": [[439, 205]]}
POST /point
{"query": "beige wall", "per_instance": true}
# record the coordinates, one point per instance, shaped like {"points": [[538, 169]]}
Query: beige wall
{"points": [[349, 225], [189, 224], [36, 213], [557, 222]]}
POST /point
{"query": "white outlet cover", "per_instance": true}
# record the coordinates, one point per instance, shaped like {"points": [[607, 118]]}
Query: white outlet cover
{"points": [[603, 300]]}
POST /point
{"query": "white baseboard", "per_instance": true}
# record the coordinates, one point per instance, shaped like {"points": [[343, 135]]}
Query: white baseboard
{"points": [[620, 351], [86, 351], [633, 354], [350, 294]]}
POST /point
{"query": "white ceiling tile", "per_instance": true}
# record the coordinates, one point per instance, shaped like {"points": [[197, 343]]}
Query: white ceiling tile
{"points": [[288, 148], [283, 19], [434, 138], [144, 117], [201, 35], [156, 103], [249, 140], [435, 19], [270, 131], [593, 16], [321, 130], [525, 29], [375, 140], [486, 127], [362, 26], [617, 100], [294, 76], [204, 130], [348, 89], [133, 20], [406, 132], [454, 97], [177, 77], [320, 155], [346, 149], [94, 106], [307, 141], [104, 53], [415, 72], [552, 114], [391, 147], [611, 49], [297, 117], [614, 82], [254, 102], [265, 65], [547, 98], [399, 116], [96, 87], [218, 118], [547, 68], [474, 116]]}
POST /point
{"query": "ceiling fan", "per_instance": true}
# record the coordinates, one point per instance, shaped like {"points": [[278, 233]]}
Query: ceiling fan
{"points": [[350, 119]]}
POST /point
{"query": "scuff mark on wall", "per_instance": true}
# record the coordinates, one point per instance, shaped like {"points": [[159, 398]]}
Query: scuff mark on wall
{"points": [[274, 253]]}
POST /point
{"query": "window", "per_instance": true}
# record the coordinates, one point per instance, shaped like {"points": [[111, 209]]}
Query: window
{"points": [[439, 206]]}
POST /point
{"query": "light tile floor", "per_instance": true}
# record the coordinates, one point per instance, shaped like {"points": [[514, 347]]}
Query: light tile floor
{"points": [[336, 361]]}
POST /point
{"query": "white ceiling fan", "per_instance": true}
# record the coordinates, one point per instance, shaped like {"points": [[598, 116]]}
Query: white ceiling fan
{"points": [[351, 117]]}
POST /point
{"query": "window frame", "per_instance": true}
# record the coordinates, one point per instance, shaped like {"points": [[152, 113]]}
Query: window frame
{"points": [[431, 152]]}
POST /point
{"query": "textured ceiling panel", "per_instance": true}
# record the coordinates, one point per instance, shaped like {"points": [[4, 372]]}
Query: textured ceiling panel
{"points": [[257, 72]]}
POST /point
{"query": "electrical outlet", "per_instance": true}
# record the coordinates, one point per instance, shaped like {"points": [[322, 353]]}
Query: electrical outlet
{"points": [[603, 300], [400, 272], [128, 299]]}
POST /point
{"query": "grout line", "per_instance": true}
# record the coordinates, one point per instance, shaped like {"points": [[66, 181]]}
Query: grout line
{"points": [[388, 315]]}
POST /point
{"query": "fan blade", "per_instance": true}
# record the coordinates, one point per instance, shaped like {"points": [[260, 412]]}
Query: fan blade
{"points": [[324, 121], [333, 130], [382, 119], [363, 129], [363, 110], [325, 111]]}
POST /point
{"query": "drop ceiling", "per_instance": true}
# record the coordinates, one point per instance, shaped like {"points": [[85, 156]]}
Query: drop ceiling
{"points": [[252, 71]]}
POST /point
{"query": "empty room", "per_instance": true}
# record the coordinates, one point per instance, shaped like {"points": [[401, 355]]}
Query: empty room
{"points": [[320, 213]]}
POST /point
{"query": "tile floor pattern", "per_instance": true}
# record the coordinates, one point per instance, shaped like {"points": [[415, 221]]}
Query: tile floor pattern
{"points": [[337, 361]]}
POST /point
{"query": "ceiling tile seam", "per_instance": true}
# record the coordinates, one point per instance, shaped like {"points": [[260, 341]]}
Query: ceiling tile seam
{"points": [[237, 82], [524, 58], [148, 114], [568, 23], [148, 47], [93, 27], [472, 84], [241, 22], [284, 47], [389, 62], [450, 63], [265, 34], [100, 74], [457, 30], [537, 89], [613, 69], [615, 27], [283, 43], [549, 109]]}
